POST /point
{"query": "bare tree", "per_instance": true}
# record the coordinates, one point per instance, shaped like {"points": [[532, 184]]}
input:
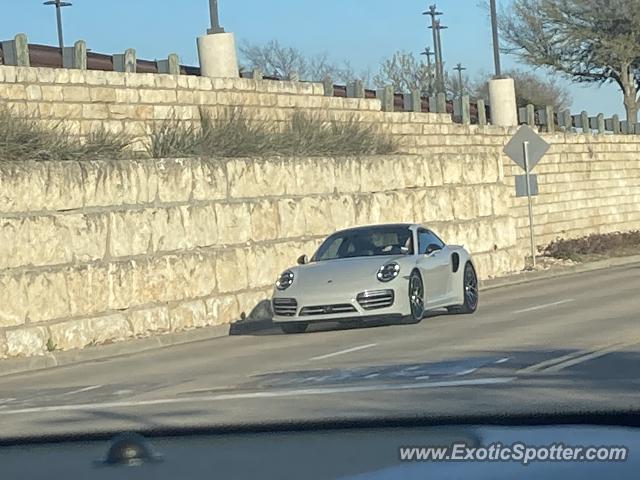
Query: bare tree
{"points": [[530, 89], [280, 61], [596, 41], [405, 72]]}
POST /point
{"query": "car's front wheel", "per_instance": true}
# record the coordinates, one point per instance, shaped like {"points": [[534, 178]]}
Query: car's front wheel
{"points": [[416, 298], [293, 328], [470, 291]]}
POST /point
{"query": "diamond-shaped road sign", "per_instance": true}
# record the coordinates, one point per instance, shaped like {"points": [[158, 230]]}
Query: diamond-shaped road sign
{"points": [[521, 185], [537, 147]]}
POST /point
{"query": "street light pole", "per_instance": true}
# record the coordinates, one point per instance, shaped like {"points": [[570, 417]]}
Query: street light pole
{"points": [[433, 13], [428, 53], [440, 27], [496, 39], [59, 5], [459, 68], [215, 18]]}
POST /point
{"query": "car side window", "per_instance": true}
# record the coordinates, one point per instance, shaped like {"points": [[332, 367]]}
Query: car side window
{"points": [[426, 238]]}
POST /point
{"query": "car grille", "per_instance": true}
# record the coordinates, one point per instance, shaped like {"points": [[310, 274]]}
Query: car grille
{"points": [[374, 299], [285, 307], [328, 309]]}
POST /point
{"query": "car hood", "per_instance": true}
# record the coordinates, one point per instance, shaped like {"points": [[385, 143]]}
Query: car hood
{"points": [[344, 272]]}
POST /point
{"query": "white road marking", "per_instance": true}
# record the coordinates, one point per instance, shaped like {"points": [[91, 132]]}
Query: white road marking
{"points": [[259, 395], [574, 358], [85, 389], [591, 356], [546, 305], [466, 372], [502, 360], [342, 352]]}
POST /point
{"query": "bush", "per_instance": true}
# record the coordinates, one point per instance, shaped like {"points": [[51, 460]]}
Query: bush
{"points": [[26, 139], [233, 135], [597, 244]]}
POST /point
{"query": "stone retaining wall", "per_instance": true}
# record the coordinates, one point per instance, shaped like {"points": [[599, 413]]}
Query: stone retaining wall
{"points": [[100, 251]]}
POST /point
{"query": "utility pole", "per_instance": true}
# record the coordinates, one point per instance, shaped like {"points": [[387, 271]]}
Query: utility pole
{"points": [[59, 5], [215, 18], [496, 39], [428, 53], [436, 27], [459, 68]]}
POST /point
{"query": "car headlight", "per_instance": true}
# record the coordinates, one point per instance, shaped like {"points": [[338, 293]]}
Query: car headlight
{"points": [[388, 272], [284, 280]]}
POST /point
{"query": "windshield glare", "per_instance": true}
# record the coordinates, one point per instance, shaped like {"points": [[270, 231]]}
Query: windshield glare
{"points": [[366, 242]]}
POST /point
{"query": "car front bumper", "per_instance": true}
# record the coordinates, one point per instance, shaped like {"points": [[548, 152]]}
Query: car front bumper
{"points": [[355, 305]]}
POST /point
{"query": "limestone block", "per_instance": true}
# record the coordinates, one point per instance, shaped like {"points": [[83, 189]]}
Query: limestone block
{"points": [[348, 173], [432, 170], [103, 94], [222, 309], [149, 320], [50, 93], [76, 94], [158, 96], [132, 232], [175, 179], [73, 334], [96, 77], [264, 220], [88, 289], [95, 111], [47, 296], [452, 170], [409, 171], [131, 284], [233, 223], [310, 176], [438, 203], [188, 315], [257, 178], [317, 215], [201, 228], [232, 270], [33, 92], [127, 95], [378, 174], [13, 91], [292, 218], [3, 340], [26, 342], [13, 300], [139, 80], [209, 180], [342, 212], [126, 182], [263, 266]]}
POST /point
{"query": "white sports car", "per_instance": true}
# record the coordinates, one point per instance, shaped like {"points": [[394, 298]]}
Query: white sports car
{"points": [[397, 271]]}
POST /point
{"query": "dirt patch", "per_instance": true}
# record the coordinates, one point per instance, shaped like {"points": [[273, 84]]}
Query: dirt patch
{"points": [[594, 247]]}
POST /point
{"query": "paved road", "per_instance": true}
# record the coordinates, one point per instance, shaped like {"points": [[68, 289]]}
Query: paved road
{"points": [[563, 344]]}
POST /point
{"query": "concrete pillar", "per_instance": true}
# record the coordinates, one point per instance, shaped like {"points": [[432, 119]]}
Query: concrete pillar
{"points": [[550, 119], [615, 122], [355, 89], [327, 83], [600, 123], [171, 65], [294, 77], [566, 120], [16, 51], [75, 57], [624, 127], [482, 112], [465, 110], [531, 115], [257, 74], [125, 62], [502, 98], [218, 57], [584, 122], [433, 104], [413, 101], [637, 129], [387, 97], [441, 103]]}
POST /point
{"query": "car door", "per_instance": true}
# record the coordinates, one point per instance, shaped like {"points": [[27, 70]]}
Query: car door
{"points": [[434, 263]]}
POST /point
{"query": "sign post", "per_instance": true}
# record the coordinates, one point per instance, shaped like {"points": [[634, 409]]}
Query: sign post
{"points": [[525, 152], [526, 148]]}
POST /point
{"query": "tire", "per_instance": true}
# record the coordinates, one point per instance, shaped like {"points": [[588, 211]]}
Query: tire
{"points": [[416, 298], [470, 292], [294, 328]]}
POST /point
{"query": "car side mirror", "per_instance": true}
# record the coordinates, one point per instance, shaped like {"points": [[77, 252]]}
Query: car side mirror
{"points": [[432, 247], [303, 260]]}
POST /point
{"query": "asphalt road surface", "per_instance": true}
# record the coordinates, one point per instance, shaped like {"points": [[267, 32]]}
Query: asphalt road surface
{"points": [[557, 345]]}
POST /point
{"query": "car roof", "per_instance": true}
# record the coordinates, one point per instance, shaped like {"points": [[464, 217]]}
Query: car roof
{"points": [[380, 225]]}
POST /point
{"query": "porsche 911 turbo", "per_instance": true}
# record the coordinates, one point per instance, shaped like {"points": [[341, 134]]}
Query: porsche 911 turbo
{"points": [[395, 271]]}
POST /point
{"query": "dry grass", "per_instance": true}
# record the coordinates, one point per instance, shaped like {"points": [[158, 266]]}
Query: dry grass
{"points": [[595, 246], [234, 135], [26, 139]]}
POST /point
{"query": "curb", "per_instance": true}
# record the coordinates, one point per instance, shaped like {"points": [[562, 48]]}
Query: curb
{"points": [[14, 366], [527, 277]]}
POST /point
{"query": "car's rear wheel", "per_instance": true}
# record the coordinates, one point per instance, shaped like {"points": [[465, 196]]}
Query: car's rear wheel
{"points": [[293, 328], [416, 297], [470, 291]]}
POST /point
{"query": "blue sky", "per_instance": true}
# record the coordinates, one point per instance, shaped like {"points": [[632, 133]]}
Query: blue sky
{"points": [[360, 31]]}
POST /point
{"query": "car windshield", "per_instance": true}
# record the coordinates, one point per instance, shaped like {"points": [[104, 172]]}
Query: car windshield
{"points": [[366, 242]]}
